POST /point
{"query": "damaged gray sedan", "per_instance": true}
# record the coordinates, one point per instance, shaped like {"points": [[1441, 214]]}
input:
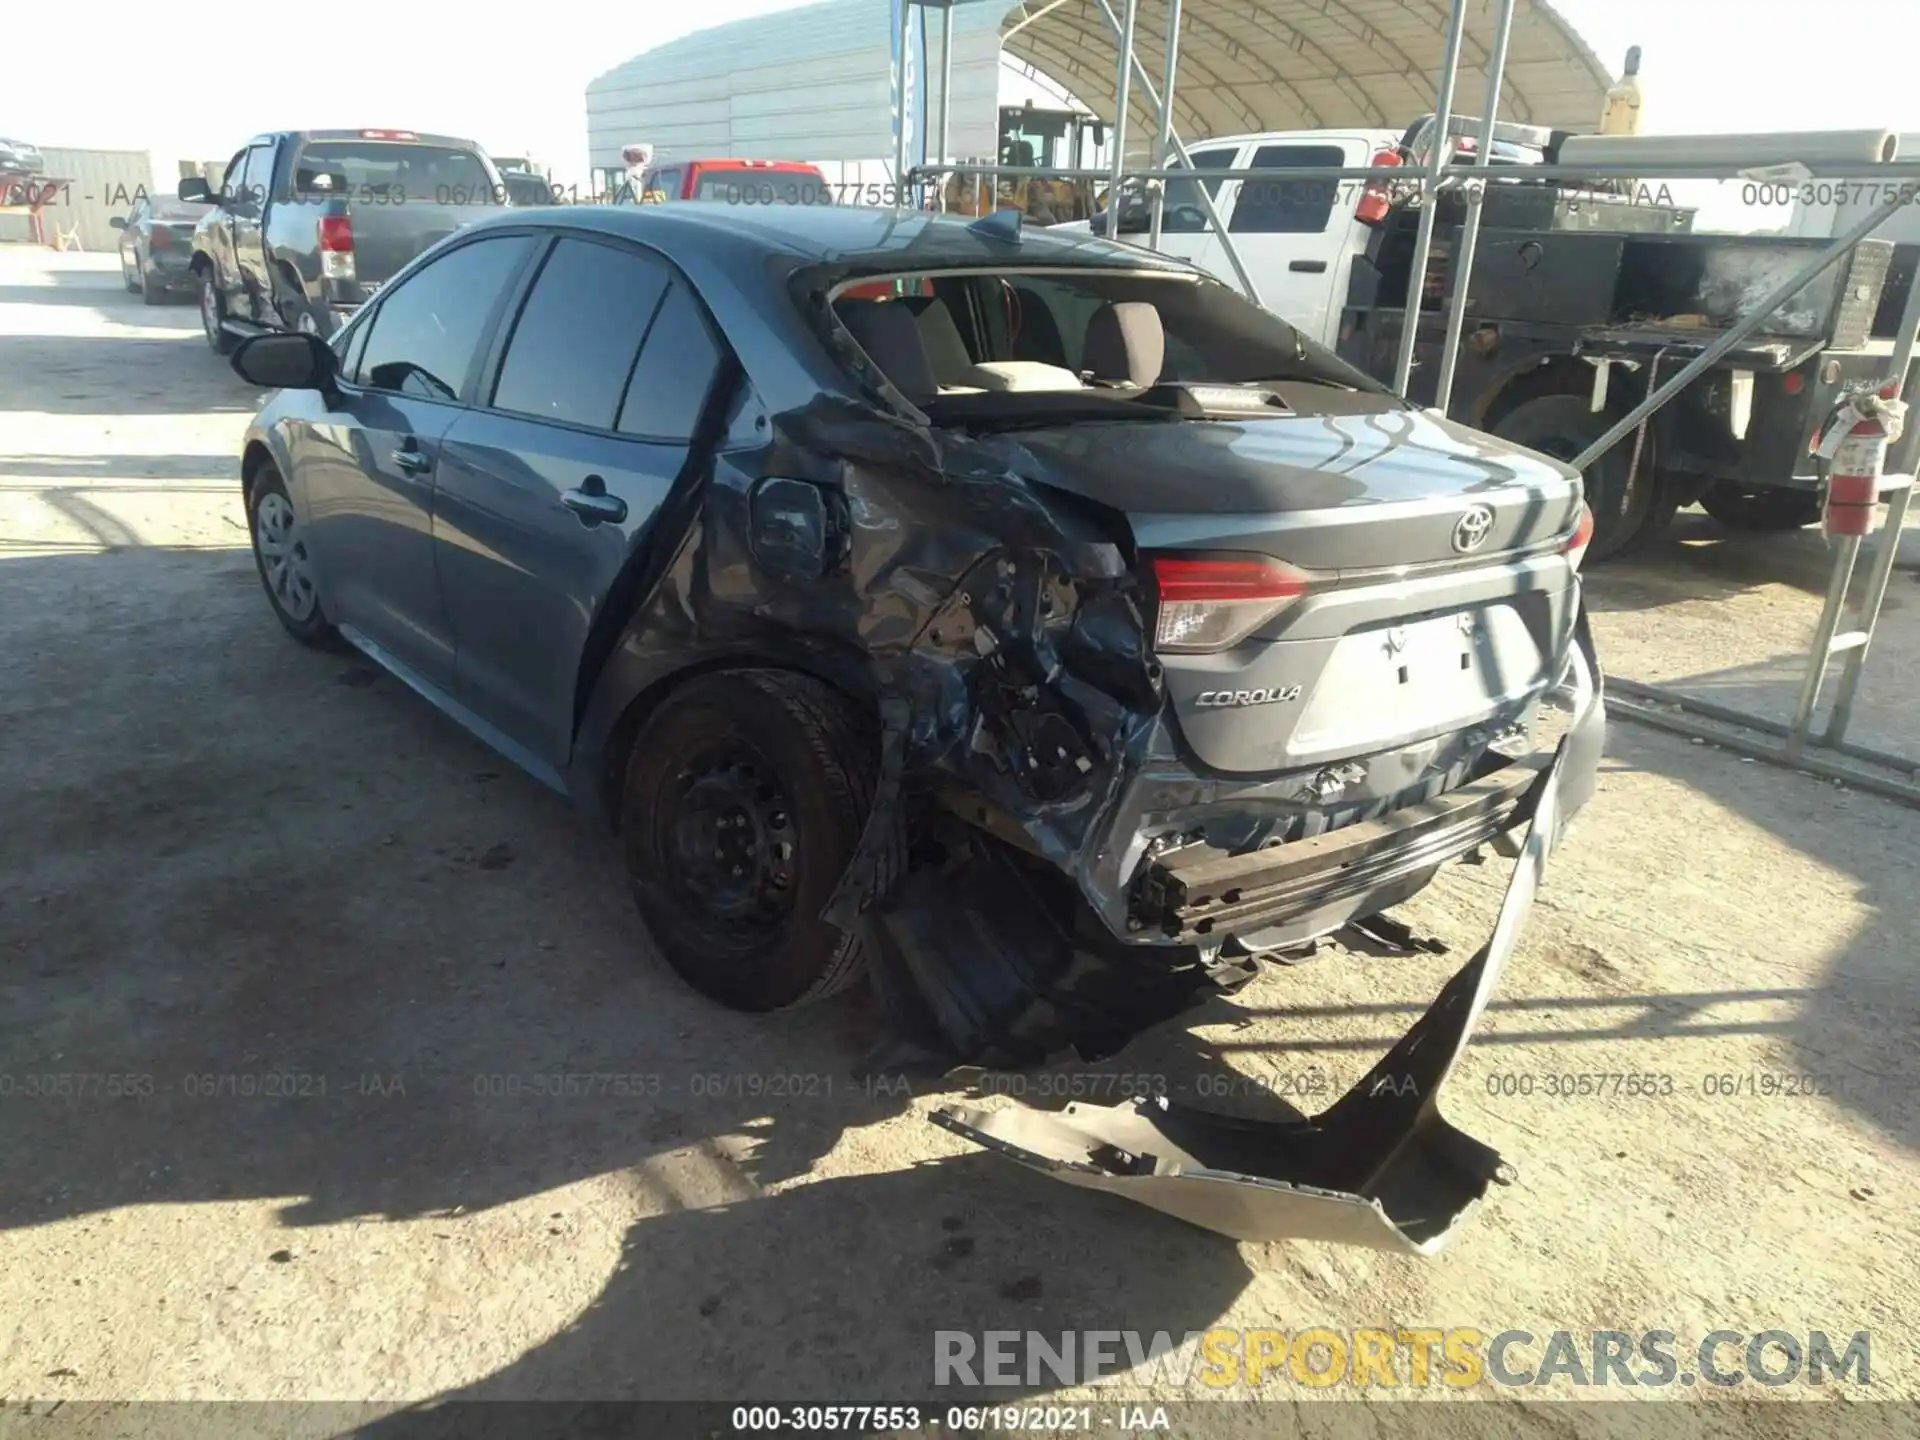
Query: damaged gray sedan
{"points": [[1025, 622]]}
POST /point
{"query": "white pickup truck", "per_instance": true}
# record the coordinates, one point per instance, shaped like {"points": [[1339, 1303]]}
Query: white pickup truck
{"points": [[1299, 238]]}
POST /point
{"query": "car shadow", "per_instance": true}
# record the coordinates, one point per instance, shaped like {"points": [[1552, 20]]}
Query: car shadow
{"points": [[279, 932]]}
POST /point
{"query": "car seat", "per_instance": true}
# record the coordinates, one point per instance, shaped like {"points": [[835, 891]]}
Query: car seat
{"points": [[1125, 345]]}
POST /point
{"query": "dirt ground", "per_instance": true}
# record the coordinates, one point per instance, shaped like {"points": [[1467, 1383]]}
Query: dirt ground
{"points": [[225, 855]]}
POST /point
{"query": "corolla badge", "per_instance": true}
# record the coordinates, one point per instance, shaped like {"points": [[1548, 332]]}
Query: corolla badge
{"points": [[1471, 530], [1268, 695]]}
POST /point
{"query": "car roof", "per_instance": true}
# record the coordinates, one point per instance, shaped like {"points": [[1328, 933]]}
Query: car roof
{"points": [[1364, 132], [739, 164], [853, 237], [419, 137]]}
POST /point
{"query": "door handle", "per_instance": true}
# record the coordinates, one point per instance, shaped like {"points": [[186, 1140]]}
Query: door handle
{"points": [[1308, 267], [411, 460], [593, 504]]}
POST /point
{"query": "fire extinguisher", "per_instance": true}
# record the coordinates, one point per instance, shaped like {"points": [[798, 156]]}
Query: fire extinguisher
{"points": [[1855, 444]]}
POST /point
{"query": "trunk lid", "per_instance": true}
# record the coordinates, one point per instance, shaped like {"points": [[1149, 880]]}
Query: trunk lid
{"points": [[1437, 595], [1324, 492]]}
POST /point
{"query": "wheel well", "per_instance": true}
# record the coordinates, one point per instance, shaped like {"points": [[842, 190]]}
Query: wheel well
{"points": [[256, 458], [621, 734], [1560, 375], [199, 265]]}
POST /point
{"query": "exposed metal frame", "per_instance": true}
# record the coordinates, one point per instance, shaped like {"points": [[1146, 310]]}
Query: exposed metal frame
{"points": [[1654, 704]]}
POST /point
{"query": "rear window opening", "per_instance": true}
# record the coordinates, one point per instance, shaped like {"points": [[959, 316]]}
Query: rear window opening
{"points": [[1018, 343], [385, 170]]}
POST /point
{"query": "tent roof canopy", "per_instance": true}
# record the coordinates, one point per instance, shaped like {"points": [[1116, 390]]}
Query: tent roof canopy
{"points": [[1257, 65]]}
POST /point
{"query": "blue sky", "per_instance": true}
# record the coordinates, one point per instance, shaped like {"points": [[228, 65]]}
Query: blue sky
{"points": [[116, 74]]}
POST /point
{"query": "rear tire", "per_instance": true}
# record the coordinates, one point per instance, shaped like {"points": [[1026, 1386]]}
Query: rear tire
{"points": [[746, 793], [150, 293], [296, 311], [1564, 425], [1760, 510], [213, 310]]}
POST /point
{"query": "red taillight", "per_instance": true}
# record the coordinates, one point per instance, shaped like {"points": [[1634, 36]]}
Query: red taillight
{"points": [[388, 135], [336, 232], [1582, 537], [1212, 602], [160, 239], [1375, 200]]}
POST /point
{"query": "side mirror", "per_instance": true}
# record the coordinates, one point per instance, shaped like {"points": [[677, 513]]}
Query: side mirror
{"points": [[118, 222], [195, 191], [286, 362]]}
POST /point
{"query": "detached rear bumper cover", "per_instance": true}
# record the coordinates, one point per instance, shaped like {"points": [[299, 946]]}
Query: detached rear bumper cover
{"points": [[1382, 1167]]}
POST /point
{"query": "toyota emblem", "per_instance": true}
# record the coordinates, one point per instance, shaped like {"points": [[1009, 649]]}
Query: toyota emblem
{"points": [[1470, 531]]}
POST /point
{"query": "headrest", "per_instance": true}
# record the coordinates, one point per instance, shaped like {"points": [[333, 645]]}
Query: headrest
{"points": [[890, 335], [1125, 343]]}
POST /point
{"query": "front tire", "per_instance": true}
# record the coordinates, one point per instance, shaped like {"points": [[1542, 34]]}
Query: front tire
{"points": [[746, 793], [213, 311], [1760, 509], [285, 565], [1564, 425]]}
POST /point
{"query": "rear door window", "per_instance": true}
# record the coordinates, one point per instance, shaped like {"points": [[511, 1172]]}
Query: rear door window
{"points": [[676, 370], [1287, 207], [428, 329], [1182, 212], [574, 344]]}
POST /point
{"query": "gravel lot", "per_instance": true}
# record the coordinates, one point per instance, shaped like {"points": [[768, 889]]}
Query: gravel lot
{"points": [[226, 855]]}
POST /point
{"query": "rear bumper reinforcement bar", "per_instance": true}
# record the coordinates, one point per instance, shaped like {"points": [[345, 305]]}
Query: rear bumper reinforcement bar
{"points": [[1380, 1168], [1197, 889]]}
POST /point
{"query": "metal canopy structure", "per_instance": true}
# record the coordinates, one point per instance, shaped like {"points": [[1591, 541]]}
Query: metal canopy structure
{"points": [[1257, 65]]}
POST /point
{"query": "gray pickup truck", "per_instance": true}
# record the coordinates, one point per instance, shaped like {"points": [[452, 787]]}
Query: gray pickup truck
{"points": [[308, 224]]}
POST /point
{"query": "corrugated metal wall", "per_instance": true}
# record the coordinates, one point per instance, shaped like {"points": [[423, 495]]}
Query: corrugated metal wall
{"points": [[805, 84], [101, 184]]}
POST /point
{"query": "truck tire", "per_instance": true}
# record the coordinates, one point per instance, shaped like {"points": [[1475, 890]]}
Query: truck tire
{"points": [[746, 793], [213, 310], [296, 311], [1564, 425], [1760, 509]]}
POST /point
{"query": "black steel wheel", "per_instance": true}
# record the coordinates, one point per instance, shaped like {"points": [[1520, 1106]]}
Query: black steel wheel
{"points": [[1760, 509], [746, 792], [1624, 515]]}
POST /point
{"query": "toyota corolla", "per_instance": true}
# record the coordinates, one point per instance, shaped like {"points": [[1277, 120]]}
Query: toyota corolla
{"points": [[1026, 622]]}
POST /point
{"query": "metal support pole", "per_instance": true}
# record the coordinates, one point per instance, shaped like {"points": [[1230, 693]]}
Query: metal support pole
{"points": [[1743, 327], [1123, 93], [1886, 551], [1461, 265], [1166, 124], [1199, 190], [946, 92], [1437, 164], [900, 107], [1823, 634]]}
